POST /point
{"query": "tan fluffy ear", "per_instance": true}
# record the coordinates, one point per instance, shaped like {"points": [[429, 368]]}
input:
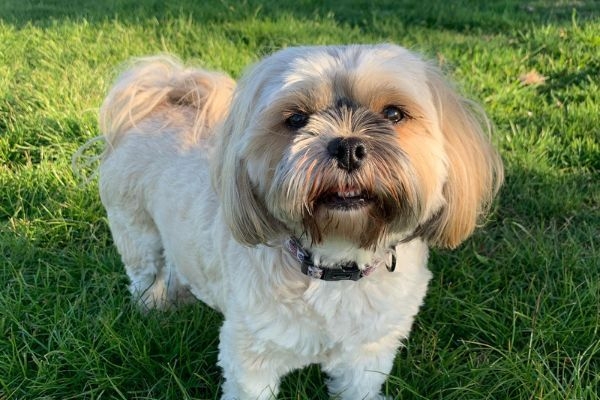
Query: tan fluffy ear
{"points": [[247, 217], [245, 213], [475, 170]]}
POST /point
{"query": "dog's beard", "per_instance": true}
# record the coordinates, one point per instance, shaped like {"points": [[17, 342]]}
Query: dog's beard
{"points": [[312, 193]]}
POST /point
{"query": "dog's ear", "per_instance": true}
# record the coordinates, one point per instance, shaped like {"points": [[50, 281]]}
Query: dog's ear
{"points": [[475, 170], [243, 209], [245, 214]]}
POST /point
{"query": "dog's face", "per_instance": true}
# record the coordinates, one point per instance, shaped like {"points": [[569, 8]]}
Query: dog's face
{"points": [[363, 143]]}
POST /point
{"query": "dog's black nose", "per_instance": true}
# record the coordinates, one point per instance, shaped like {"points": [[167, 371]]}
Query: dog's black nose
{"points": [[349, 152]]}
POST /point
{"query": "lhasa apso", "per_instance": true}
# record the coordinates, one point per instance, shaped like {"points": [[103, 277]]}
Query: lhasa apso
{"points": [[300, 204]]}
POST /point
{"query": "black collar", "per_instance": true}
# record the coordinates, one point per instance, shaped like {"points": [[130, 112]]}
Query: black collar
{"points": [[338, 272]]}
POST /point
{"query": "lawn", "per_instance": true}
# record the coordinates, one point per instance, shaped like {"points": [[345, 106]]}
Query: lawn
{"points": [[514, 313]]}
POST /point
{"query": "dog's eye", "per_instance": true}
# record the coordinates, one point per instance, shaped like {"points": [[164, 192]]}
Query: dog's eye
{"points": [[393, 114], [297, 120]]}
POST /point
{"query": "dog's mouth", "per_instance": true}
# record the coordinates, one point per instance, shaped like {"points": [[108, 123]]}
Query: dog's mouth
{"points": [[346, 199]]}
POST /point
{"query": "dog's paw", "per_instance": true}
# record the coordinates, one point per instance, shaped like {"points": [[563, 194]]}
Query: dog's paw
{"points": [[375, 397]]}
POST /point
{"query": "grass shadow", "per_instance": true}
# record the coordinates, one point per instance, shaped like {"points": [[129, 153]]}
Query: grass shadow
{"points": [[521, 282], [461, 16]]}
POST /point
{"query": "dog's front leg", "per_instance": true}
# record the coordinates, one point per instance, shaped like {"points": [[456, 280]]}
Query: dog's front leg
{"points": [[251, 370], [359, 373]]}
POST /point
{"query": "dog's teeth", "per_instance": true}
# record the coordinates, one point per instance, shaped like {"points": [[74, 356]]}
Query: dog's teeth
{"points": [[351, 193]]}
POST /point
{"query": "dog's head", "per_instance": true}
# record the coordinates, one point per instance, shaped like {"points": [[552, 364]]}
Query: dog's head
{"points": [[362, 143]]}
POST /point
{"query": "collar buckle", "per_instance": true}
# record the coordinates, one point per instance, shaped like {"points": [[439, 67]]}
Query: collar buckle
{"points": [[346, 272], [343, 272]]}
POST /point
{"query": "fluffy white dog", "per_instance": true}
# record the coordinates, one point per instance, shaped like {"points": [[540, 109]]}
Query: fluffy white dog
{"points": [[300, 204]]}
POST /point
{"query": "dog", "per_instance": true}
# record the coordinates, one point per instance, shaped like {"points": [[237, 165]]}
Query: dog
{"points": [[300, 202]]}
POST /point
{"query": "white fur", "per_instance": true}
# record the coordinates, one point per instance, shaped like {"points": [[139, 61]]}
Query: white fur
{"points": [[277, 319], [169, 226]]}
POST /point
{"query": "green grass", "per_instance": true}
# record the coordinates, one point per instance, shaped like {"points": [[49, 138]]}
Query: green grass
{"points": [[514, 313]]}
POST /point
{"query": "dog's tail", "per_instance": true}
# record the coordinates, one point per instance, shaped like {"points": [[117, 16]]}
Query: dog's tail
{"points": [[163, 82]]}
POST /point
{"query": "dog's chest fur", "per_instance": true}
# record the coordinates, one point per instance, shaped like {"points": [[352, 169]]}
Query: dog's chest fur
{"points": [[285, 310]]}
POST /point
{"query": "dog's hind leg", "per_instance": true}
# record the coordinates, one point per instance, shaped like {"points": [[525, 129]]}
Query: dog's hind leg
{"points": [[139, 243]]}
